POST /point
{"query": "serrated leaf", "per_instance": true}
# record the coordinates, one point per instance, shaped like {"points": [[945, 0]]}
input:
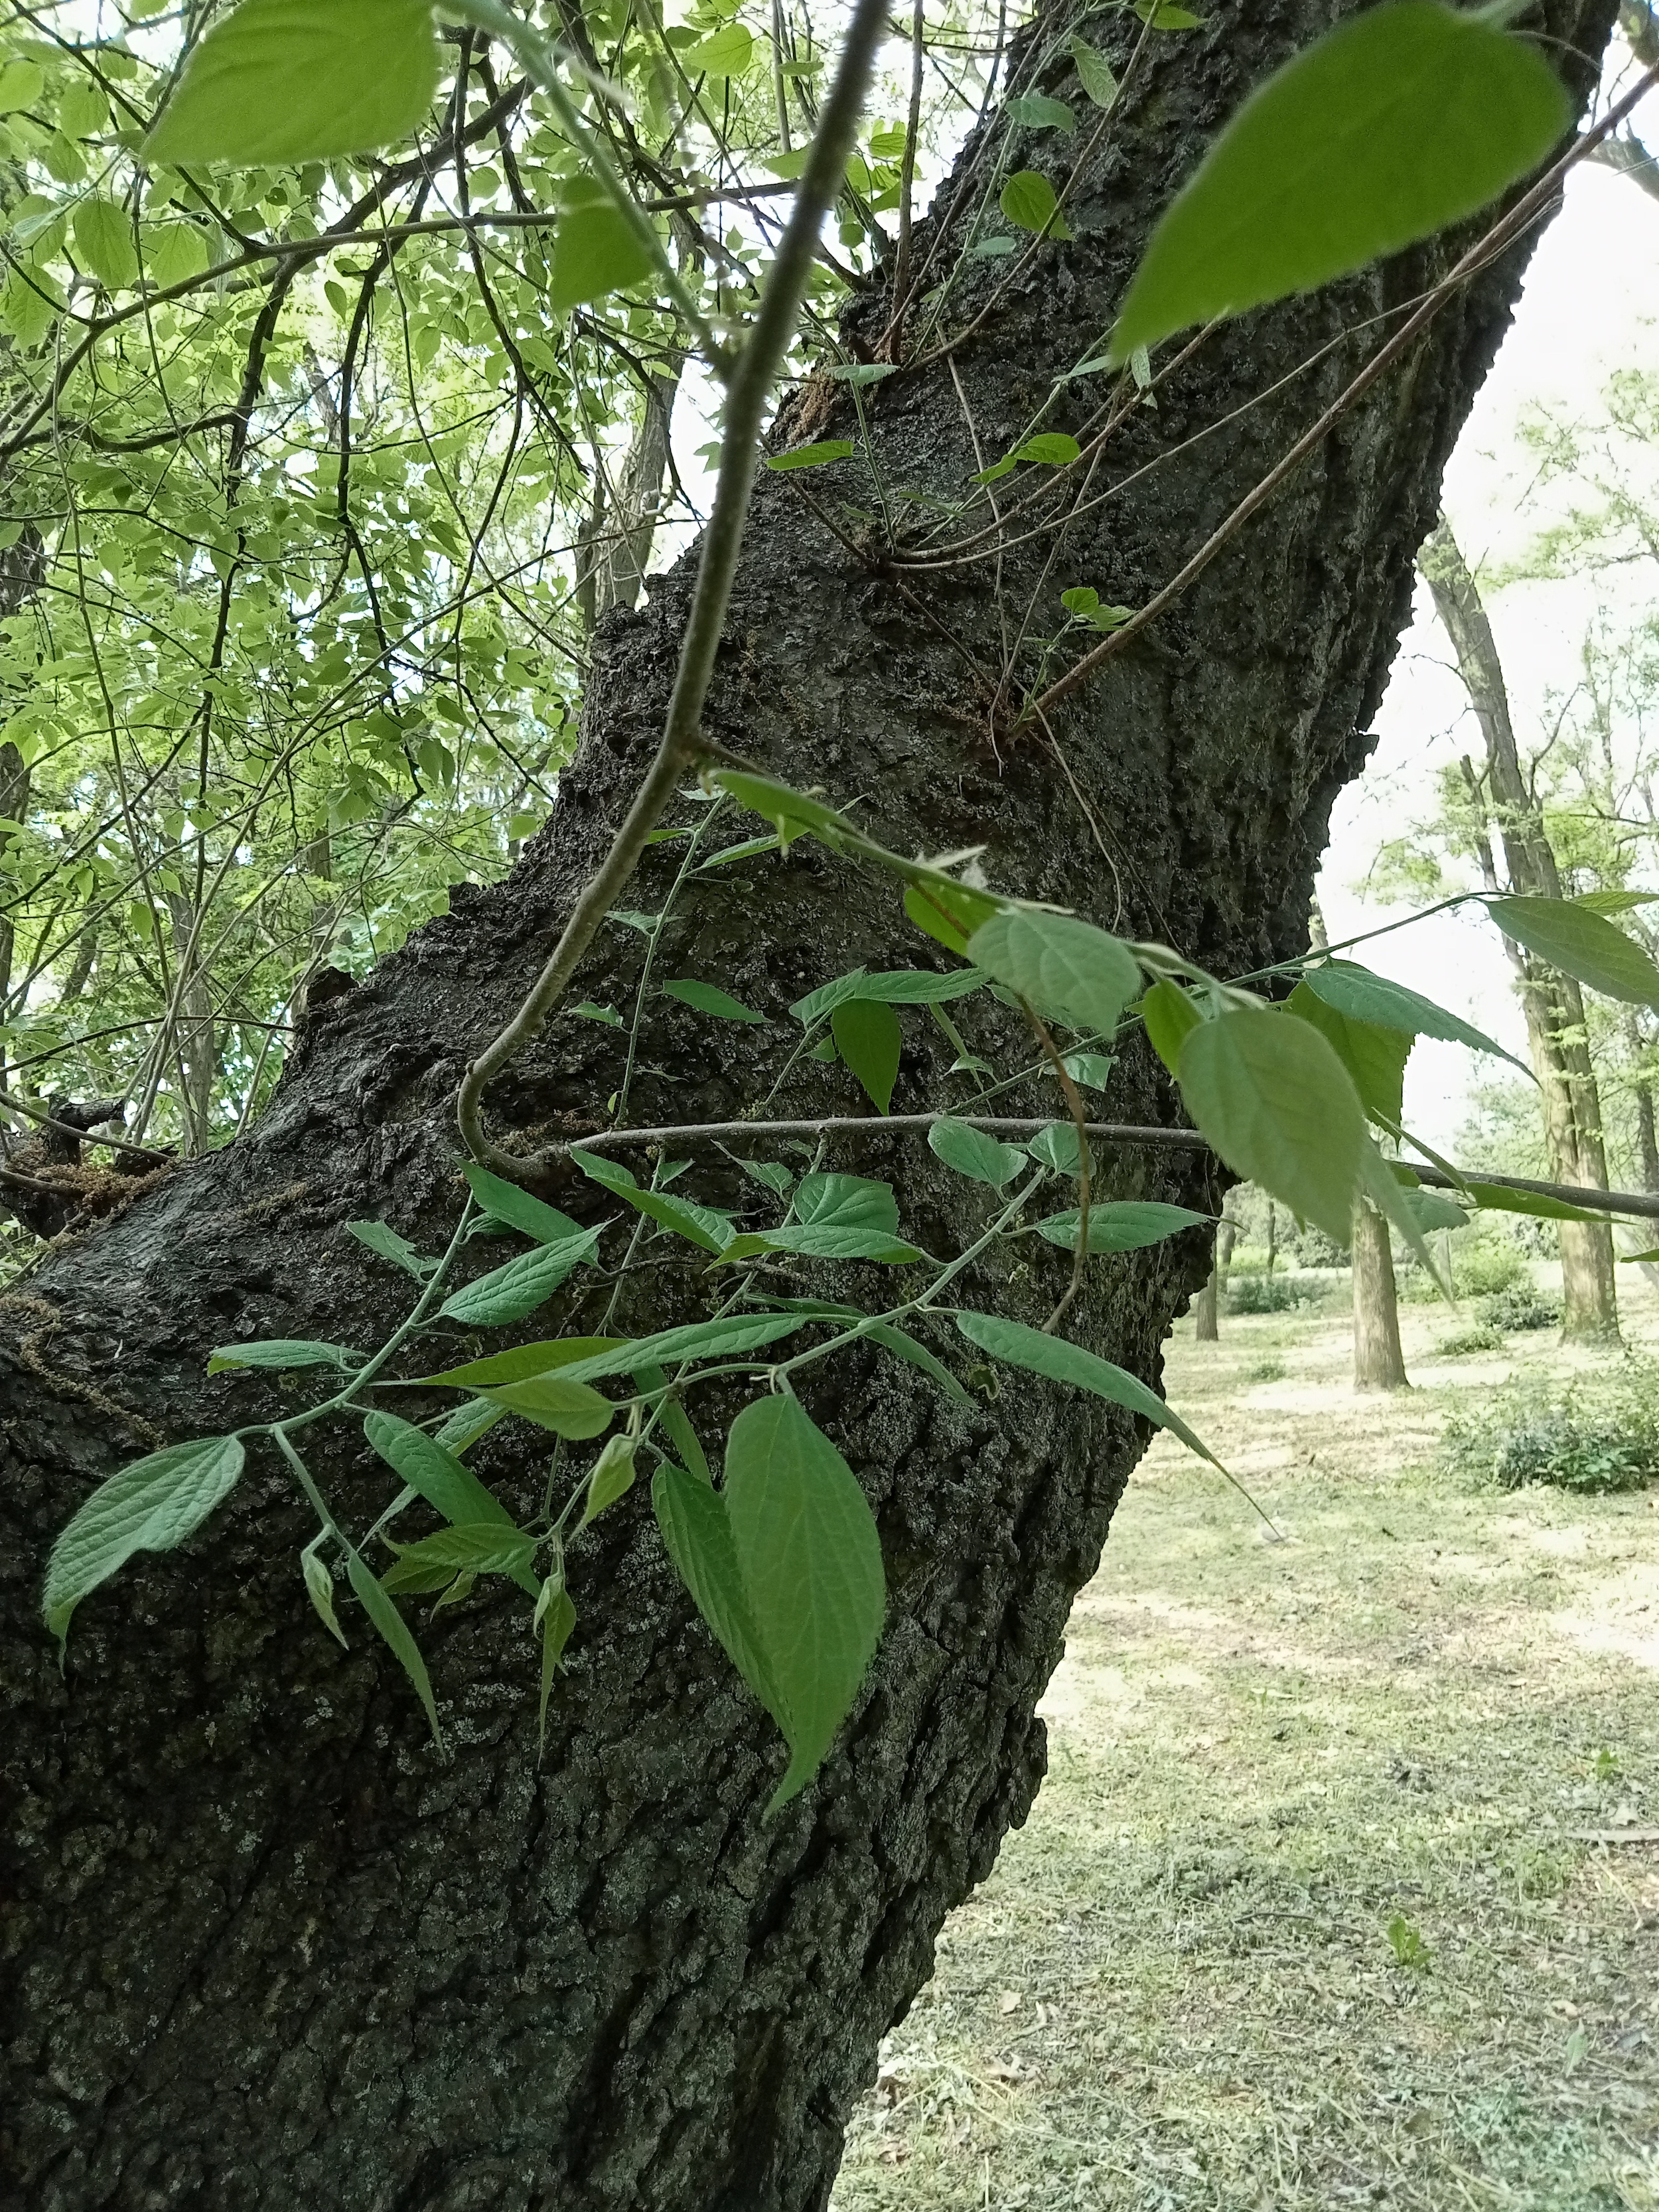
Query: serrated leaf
{"points": [[975, 1152], [1369, 997], [893, 986], [279, 1352], [1277, 1104], [1432, 1210], [384, 1240], [152, 1505], [809, 1559], [948, 911], [1053, 448], [1028, 200], [730, 1337], [1374, 1057], [707, 999], [1611, 903], [1012, 1342], [554, 1402], [702, 1225], [523, 1360], [510, 1293], [1058, 1146], [1035, 110], [1401, 120], [505, 1202], [1122, 1225], [395, 1633], [1062, 965], [319, 1589], [596, 250], [1581, 944], [612, 1478], [279, 81], [1168, 1016], [475, 1547], [728, 53], [1094, 72], [868, 1038], [813, 457], [698, 1537], [1497, 1198], [1093, 1070], [103, 240], [435, 1475]]}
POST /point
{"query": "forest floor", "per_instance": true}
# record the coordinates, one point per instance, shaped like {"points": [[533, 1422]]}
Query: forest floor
{"points": [[1310, 1911]]}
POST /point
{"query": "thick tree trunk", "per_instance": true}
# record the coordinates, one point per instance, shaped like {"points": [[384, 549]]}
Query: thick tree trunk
{"points": [[1378, 1361], [1557, 1036], [1204, 1312], [263, 1948]]}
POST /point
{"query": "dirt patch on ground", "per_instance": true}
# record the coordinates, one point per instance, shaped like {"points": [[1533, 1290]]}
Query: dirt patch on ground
{"points": [[1311, 1911]]}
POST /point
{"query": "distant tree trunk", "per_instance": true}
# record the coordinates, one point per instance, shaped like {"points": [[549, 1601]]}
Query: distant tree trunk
{"points": [[263, 1949], [1553, 1004], [1225, 1238], [1378, 1362], [1204, 1313], [1273, 1234]]}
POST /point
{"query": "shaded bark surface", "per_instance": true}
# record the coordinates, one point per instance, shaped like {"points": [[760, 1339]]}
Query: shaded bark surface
{"points": [[1378, 1361], [261, 1948]]}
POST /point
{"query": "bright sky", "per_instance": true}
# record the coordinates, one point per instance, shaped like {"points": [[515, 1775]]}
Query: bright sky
{"points": [[1591, 306]]}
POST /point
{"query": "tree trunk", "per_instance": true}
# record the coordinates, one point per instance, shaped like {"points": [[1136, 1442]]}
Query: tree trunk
{"points": [[1204, 1312], [1553, 1004], [262, 1948], [1378, 1362], [1273, 1234]]}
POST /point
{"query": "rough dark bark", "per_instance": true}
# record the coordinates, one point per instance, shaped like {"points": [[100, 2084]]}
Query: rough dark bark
{"points": [[261, 1948]]}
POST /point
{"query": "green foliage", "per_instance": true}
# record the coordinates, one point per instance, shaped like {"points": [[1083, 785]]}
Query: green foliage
{"points": [[300, 80], [973, 1152], [1592, 1433], [1569, 936], [1278, 1105], [1065, 967], [152, 1505], [1280, 1292], [1398, 121]]}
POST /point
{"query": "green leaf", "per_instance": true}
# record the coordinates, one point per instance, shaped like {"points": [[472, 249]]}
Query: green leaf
{"points": [[596, 250], [836, 1218], [466, 1425], [1432, 1210], [1168, 1016], [174, 253], [524, 1359], [390, 1624], [554, 1402], [702, 1225], [152, 1505], [1028, 199], [505, 1202], [612, 1478], [279, 81], [1093, 1070], [103, 239], [672, 1417], [21, 85], [555, 1616], [949, 911], [319, 1589], [1497, 1198], [746, 850], [1035, 110], [1054, 448], [707, 999], [1165, 15], [1093, 72], [1277, 1104], [905, 1347], [975, 1152], [1084, 602], [1375, 1058], [1058, 1146], [1366, 997], [1012, 1342], [509, 1293], [813, 457], [384, 1240], [1636, 1258], [868, 1038], [1059, 964], [1122, 1225], [893, 986], [727, 53], [698, 1537], [435, 1475], [807, 1548], [279, 1352], [730, 1337], [1611, 903], [1401, 120], [791, 812], [1580, 943], [475, 1547], [591, 1012]]}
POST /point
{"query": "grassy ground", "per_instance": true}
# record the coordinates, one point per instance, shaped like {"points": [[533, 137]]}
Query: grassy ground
{"points": [[1306, 1914]]}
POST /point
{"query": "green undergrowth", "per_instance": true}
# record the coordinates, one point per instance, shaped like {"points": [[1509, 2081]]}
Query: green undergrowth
{"points": [[1309, 1913]]}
